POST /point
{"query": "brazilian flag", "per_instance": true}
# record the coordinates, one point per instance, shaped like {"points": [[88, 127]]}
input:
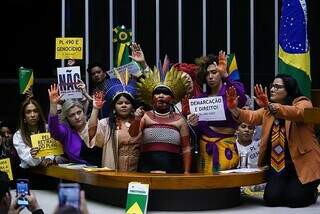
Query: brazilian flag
{"points": [[233, 67], [294, 52], [122, 38]]}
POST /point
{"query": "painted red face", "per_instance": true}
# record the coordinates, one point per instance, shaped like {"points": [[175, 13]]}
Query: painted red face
{"points": [[162, 101]]}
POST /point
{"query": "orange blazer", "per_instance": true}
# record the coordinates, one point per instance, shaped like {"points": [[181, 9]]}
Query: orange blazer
{"points": [[303, 145]]}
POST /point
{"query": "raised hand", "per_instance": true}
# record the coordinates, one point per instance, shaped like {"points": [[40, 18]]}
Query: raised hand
{"points": [[232, 98], [139, 113], [98, 99], [80, 85], [71, 62], [29, 93], [261, 96], [137, 53], [53, 92], [222, 66]]}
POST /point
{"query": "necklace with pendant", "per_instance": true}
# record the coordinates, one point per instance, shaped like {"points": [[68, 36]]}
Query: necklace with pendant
{"points": [[127, 124]]}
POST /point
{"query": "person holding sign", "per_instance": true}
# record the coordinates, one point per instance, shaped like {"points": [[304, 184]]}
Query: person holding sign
{"points": [[99, 76], [288, 145], [217, 142], [31, 122], [165, 134], [70, 130], [120, 151]]}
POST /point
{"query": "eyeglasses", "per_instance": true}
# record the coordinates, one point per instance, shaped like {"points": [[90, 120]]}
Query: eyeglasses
{"points": [[276, 86]]}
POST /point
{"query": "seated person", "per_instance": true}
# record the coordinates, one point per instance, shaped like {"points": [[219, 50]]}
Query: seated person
{"points": [[31, 122], [246, 145], [165, 134]]}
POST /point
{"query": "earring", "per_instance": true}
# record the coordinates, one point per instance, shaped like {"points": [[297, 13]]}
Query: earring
{"points": [[24, 120]]}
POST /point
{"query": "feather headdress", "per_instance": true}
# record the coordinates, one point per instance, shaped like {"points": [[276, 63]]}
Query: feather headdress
{"points": [[119, 85], [174, 80]]}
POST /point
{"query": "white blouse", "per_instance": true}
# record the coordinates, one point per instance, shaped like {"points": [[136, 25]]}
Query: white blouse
{"points": [[23, 151]]}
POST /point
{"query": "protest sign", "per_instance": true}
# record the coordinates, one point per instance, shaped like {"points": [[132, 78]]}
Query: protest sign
{"points": [[5, 166], [46, 144], [132, 67], [137, 199], [68, 77], [69, 48], [208, 108]]}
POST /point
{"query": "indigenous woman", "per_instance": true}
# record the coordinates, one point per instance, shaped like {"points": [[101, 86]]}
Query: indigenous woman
{"points": [[120, 151], [217, 142], [71, 129], [165, 135], [288, 145]]}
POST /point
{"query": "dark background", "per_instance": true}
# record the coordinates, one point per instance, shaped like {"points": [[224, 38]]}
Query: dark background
{"points": [[31, 26]]}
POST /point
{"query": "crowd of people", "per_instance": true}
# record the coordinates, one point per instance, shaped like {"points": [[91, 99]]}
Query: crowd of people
{"points": [[134, 123]]}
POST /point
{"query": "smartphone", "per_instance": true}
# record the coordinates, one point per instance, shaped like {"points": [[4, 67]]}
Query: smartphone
{"points": [[69, 194], [22, 189]]}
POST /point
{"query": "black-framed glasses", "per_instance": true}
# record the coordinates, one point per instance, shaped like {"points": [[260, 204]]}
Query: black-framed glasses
{"points": [[276, 86]]}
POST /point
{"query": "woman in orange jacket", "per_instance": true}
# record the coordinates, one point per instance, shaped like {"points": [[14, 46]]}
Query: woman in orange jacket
{"points": [[288, 145]]}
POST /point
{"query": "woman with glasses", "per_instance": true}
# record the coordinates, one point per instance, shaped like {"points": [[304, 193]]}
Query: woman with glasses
{"points": [[288, 145]]}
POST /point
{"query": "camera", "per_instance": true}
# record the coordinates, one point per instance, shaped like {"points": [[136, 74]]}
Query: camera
{"points": [[22, 189], [69, 194]]}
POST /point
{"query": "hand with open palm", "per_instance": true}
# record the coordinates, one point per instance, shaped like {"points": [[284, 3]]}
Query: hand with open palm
{"points": [[53, 92], [232, 98], [222, 66], [98, 99], [261, 96]]}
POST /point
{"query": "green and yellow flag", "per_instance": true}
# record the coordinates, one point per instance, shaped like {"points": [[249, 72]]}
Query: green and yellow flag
{"points": [[294, 52], [25, 79], [123, 38]]}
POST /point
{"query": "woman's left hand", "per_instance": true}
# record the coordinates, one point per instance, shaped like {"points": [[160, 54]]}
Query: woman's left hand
{"points": [[54, 96], [98, 99], [222, 66], [232, 98], [261, 96]]}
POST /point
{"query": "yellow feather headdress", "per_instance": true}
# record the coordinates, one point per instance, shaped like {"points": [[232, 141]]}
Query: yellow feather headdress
{"points": [[174, 80]]}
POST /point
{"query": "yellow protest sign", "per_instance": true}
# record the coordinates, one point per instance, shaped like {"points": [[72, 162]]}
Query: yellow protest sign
{"points": [[46, 144], [5, 166], [69, 48]]}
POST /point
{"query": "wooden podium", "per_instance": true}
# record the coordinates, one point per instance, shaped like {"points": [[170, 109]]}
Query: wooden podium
{"points": [[167, 192]]}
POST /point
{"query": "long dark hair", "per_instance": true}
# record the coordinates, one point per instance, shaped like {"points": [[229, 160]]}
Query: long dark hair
{"points": [[113, 114], [291, 86], [24, 128]]}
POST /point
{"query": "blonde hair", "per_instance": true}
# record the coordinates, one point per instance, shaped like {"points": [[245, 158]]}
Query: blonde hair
{"points": [[66, 106]]}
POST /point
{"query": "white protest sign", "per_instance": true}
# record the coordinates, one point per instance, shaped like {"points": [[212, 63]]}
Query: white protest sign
{"points": [[132, 67], [208, 108], [67, 80]]}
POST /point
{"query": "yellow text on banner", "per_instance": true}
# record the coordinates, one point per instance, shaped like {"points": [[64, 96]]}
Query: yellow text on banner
{"points": [[69, 48], [5, 166], [46, 144]]}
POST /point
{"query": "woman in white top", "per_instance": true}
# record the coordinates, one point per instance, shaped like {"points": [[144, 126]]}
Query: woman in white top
{"points": [[31, 122]]}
